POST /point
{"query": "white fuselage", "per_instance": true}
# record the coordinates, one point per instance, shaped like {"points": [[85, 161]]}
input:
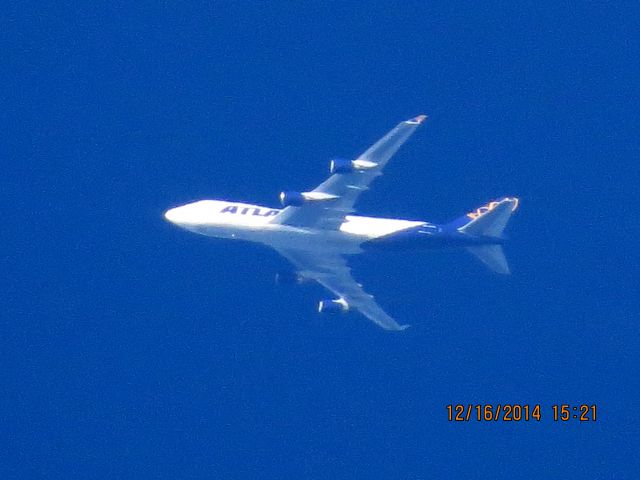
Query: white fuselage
{"points": [[241, 221]]}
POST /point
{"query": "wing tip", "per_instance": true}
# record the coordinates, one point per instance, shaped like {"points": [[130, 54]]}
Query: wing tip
{"points": [[397, 328], [417, 120]]}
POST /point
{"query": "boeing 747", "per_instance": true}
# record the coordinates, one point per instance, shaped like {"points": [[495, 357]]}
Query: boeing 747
{"points": [[316, 230]]}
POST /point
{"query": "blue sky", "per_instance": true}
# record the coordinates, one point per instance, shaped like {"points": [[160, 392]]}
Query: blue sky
{"points": [[134, 350]]}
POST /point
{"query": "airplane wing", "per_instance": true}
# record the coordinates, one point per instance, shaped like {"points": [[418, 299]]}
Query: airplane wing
{"points": [[341, 190], [332, 272]]}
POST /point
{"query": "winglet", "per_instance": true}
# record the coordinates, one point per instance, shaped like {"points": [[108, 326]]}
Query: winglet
{"points": [[417, 120]]}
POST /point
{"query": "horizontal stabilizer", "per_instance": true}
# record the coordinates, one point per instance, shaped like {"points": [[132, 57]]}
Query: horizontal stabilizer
{"points": [[492, 256]]}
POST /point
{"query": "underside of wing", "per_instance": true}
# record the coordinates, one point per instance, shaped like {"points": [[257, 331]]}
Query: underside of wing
{"points": [[327, 205], [332, 272]]}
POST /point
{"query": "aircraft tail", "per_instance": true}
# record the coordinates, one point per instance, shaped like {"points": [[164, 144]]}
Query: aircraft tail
{"points": [[490, 221], [492, 256]]}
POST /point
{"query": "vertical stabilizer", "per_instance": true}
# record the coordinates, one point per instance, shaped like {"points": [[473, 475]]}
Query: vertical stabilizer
{"points": [[488, 220]]}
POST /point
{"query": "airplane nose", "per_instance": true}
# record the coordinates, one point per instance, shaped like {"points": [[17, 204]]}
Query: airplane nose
{"points": [[171, 215]]}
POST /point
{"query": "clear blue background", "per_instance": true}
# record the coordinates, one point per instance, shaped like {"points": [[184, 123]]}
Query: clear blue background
{"points": [[131, 349]]}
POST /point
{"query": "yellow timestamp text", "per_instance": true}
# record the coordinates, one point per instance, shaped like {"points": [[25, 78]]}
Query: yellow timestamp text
{"points": [[514, 412]]}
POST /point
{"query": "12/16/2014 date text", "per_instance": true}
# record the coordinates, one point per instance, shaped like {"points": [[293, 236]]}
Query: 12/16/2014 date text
{"points": [[513, 412]]}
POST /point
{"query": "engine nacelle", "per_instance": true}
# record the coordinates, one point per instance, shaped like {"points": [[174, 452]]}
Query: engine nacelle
{"points": [[292, 199], [338, 305], [297, 199], [340, 165]]}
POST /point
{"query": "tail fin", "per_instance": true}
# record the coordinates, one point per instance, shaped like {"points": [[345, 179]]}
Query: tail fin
{"points": [[489, 220]]}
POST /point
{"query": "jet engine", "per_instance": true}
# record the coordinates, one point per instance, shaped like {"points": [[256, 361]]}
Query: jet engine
{"points": [[339, 305], [340, 165], [291, 199], [297, 199]]}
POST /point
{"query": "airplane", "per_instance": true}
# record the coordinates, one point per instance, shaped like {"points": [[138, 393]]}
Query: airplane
{"points": [[316, 230]]}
